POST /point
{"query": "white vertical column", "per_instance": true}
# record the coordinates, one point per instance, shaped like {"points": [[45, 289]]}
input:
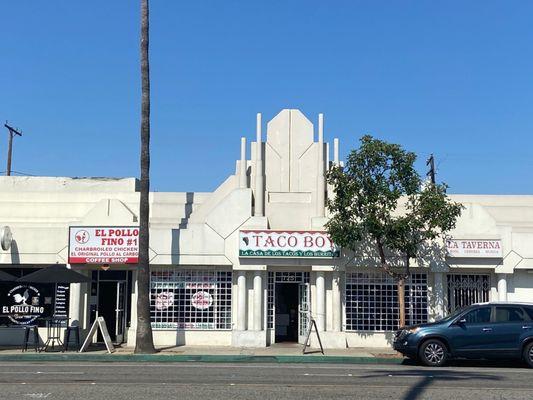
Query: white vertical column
{"points": [[336, 302], [133, 317], [258, 300], [502, 287], [259, 180], [241, 300], [336, 159], [438, 294], [74, 304], [243, 181], [320, 301], [321, 183]]}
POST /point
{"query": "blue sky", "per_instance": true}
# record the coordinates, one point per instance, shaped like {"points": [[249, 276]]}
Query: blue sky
{"points": [[452, 78]]}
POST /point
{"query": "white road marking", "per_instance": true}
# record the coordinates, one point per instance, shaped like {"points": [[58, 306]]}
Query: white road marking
{"points": [[344, 367], [44, 372], [263, 385], [339, 375]]}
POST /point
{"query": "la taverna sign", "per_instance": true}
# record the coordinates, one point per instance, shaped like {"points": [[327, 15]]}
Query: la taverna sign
{"points": [[474, 248], [267, 243]]}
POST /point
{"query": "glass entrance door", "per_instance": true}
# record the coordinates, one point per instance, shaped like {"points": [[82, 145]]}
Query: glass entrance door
{"points": [[120, 314]]}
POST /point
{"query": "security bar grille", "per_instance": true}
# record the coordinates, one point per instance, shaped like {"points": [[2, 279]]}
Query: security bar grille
{"points": [[372, 301], [466, 289], [190, 299]]}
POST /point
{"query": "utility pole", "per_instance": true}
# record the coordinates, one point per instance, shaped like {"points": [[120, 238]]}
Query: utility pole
{"points": [[12, 133], [431, 163]]}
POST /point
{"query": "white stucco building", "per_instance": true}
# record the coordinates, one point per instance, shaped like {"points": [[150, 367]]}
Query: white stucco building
{"points": [[248, 264]]}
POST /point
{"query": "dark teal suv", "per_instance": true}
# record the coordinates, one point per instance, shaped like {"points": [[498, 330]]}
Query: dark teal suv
{"points": [[488, 330]]}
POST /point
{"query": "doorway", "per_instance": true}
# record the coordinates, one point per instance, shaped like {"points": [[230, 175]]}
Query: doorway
{"points": [[111, 307], [286, 312], [112, 293], [288, 306]]}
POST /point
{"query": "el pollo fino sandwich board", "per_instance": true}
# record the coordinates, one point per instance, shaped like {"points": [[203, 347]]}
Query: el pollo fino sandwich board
{"points": [[99, 323]]}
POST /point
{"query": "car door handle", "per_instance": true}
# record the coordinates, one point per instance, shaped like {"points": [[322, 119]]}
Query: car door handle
{"points": [[487, 329], [526, 327]]}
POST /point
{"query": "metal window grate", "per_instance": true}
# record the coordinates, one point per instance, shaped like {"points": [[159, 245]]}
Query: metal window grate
{"points": [[466, 289], [190, 299], [372, 301], [281, 277]]}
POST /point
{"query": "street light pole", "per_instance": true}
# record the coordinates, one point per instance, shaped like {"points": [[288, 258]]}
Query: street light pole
{"points": [[12, 133]]}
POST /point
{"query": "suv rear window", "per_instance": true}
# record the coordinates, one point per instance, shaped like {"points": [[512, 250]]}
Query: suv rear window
{"points": [[509, 314]]}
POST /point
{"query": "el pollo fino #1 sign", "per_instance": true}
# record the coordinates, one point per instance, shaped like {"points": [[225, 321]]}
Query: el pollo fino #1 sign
{"points": [[268, 243], [103, 245]]}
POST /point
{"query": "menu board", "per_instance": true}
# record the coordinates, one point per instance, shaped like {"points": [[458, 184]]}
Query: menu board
{"points": [[62, 300]]}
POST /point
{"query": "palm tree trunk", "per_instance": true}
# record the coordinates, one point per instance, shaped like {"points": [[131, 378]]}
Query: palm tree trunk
{"points": [[144, 342]]}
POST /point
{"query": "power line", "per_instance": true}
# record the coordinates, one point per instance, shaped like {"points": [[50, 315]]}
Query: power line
{"points": [[18, 173]]}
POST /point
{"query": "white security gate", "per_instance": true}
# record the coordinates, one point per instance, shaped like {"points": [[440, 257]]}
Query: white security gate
{"points": [[304, 311]]}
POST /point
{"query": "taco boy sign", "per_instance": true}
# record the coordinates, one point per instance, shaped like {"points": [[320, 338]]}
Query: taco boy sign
{"points": [[303, 244], [103, 245]]}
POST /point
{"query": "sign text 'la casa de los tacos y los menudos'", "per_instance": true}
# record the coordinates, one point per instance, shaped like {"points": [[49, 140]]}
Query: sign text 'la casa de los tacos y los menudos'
{"points": [[103, 245], [270, 243]]}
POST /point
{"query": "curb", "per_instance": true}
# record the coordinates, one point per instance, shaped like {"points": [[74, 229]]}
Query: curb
{"points": [[199, 358]]}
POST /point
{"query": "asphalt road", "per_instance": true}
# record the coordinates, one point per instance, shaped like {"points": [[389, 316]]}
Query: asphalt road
{"points": [[116, 381]]}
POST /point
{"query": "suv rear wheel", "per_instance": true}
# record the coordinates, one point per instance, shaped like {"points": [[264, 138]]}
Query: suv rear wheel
{"points": [[433, 353], [528, 354]]}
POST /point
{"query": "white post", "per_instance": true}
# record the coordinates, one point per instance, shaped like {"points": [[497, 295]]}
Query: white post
{"points": [[242, 178], [321, 183], [336, 301], [438, 294], [336, 160], [320, 301], [259, 184], [258, 301], [241, 300], [502, 287], [74, 304]]}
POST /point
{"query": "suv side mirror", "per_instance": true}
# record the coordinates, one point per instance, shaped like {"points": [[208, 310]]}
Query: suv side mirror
{"points": [[461, 321]]}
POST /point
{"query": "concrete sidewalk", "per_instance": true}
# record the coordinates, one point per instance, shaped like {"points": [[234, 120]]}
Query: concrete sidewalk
{"points": [[280, 353]]}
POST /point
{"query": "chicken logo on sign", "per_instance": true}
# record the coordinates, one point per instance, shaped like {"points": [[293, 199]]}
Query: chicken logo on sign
{"points": [[21, 299], [82, 237]]}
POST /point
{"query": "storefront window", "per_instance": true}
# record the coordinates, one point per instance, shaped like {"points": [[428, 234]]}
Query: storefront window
{"points": [[372, 301], [190, 299], [30, 303]]}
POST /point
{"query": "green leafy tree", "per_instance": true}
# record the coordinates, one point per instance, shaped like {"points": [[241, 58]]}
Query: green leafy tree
{"points": [[144, 342], [381, 204]]}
